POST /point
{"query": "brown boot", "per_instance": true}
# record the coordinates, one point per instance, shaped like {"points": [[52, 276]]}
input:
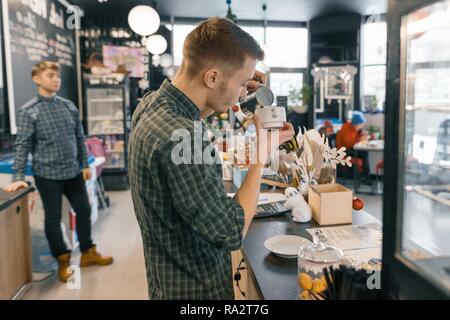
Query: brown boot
{"points": [[63, 265], [92, 257]]}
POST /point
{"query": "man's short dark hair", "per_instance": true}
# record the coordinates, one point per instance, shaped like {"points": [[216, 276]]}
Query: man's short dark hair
{"points": [[219, 40]]}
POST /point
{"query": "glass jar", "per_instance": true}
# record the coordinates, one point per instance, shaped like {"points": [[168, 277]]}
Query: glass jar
{"points": [[312, 259]]}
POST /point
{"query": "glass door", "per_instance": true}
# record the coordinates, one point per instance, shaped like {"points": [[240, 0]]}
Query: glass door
{"points": [[426, 69]]}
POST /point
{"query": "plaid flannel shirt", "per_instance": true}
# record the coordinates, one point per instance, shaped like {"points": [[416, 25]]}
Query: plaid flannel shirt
{"points": [[51, 130], [188, 224]]}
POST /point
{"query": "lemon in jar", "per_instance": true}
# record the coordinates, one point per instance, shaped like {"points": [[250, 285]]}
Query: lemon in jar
{"points": [[305, 281], [319, 285], [305, 295]]}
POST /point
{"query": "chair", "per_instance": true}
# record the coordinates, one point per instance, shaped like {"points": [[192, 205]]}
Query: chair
{"points": [[96, 147], [332, 140]]}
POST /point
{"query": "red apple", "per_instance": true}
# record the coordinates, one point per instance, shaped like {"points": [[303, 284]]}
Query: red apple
{"points": [[358, 204]]}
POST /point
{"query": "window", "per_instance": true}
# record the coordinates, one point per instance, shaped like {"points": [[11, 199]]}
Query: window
{"points": [[374, 91], [179, 34], [375, 43], [287, 84], [286, 55], [373, 73], [256, 32], [287, 47], [430, 61]]}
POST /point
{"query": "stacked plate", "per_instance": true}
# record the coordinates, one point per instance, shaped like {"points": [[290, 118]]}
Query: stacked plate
{"points": [[285, 246]]}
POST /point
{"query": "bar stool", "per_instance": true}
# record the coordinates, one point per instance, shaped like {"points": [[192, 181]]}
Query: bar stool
{"points": [[379, 169]]}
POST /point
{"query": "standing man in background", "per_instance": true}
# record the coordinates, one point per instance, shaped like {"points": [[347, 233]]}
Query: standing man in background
{"points": [[50, 129]]}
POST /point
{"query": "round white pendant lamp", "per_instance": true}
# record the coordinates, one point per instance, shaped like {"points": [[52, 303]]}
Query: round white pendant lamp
{"points": [[144, 20], [156, 44], [166, 60]]}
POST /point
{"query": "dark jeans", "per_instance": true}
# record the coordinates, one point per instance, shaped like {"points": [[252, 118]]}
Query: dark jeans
{"points": [[364, 155], [52, 192]]}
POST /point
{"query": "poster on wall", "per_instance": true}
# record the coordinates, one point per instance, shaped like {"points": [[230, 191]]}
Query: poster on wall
{"points": [[37, 30], [125, 58]]}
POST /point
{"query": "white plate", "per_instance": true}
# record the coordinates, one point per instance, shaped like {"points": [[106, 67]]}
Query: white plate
{"points": [[285, 246]]}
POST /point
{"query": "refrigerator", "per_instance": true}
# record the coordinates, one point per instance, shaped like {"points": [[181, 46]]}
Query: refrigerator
{"points": [[107, 116]]}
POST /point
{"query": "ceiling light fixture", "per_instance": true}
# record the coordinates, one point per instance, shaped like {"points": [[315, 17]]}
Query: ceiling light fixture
{"points": [[144, 20], [156, 44]]}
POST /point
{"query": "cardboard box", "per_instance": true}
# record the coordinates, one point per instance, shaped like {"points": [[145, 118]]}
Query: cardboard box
{"points": [[330, 204]]}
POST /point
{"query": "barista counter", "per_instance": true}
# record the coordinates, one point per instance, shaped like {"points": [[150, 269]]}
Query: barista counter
{"points": [[271, 277], [15, 242]]}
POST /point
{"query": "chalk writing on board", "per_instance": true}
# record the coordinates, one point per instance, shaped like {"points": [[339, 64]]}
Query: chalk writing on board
{"points": [[35, 30]]}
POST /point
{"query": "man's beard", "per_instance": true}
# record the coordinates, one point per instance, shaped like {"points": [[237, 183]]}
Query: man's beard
{"points": [[218, 103], [223, 96]]}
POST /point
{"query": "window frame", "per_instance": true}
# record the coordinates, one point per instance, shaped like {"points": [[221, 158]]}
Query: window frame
{"points": [[363, 65]]}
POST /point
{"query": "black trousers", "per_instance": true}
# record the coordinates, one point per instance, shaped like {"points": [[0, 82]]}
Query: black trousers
{"points": [[51, 192], [364, 155]]}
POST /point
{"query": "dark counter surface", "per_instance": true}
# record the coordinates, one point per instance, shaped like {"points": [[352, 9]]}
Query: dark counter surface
{"points": [[275, 278], [8, 198]]}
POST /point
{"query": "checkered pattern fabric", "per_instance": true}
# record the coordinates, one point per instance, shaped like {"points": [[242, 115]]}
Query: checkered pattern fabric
{"points": [[50, 129], [189, 226]]}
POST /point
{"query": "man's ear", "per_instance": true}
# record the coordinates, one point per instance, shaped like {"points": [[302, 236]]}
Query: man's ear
{"points": [[212, 78], [36, 79]]}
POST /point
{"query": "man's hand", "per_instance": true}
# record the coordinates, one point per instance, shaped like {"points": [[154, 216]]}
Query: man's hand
{"points": [[86, 174], [258, 79], [16, 185], [268, 141]]}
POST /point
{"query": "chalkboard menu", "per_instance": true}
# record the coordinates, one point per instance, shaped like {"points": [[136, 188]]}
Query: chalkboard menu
{"points": [[36, 30]]}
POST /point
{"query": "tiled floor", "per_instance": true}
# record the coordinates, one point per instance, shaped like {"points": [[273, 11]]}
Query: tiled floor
{"points": [[373, 204], [117, 233]]}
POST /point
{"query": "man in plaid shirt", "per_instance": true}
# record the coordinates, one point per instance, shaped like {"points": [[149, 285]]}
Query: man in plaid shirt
{"points": [[189, 226], [49, 128]]}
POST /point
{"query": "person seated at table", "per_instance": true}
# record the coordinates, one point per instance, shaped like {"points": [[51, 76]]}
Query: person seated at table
{"points": [[351, 133]]}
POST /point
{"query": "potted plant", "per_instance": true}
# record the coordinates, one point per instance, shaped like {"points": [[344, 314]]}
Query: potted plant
{"points": [[299, 99], [374, 132]]}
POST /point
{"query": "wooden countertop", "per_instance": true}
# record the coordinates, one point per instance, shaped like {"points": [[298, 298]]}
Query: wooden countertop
{"points": [[8, 198]]}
